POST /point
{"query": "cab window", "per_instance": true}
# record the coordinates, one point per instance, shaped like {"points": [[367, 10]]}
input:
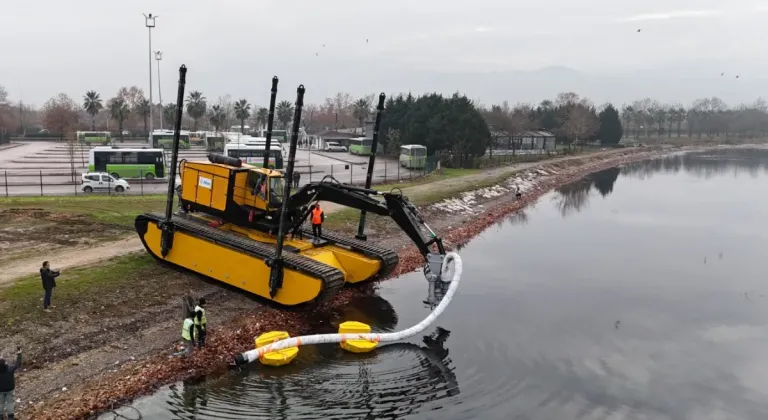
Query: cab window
{"points": [[256, 183]]}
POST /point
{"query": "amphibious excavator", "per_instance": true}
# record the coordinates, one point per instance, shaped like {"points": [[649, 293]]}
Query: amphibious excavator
{"points": [[238, 223]]}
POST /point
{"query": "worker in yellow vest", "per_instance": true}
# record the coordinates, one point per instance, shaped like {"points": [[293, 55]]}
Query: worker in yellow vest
{"points": [[200, 322], [188, 335]]}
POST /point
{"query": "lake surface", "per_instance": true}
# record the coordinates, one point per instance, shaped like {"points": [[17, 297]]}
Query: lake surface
{"points": [[640, 292]]}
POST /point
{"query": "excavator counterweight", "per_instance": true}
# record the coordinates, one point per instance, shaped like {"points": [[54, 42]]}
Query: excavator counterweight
{"points": [[239, 224]]}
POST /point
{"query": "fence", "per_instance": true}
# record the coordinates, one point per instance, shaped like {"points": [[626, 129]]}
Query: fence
{"points": [[65, 181], [499, 157]]}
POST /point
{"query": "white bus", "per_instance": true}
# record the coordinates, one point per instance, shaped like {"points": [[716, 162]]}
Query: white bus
{"points": [[253, 154]]}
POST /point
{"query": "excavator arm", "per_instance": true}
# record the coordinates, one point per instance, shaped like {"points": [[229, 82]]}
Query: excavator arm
{"points": [[395, 205]]}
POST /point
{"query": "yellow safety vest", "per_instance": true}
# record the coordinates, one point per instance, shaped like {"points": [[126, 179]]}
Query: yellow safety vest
{"points": [[202, 320], [185, 329]]}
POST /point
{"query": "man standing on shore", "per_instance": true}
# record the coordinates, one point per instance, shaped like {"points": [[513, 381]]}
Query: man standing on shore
{"points": [[49, 283], [7, 385], [200, 323], [296, 178], [188, 335]]}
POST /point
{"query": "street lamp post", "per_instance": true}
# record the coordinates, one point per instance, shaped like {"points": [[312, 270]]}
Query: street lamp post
{"points": [[149, 21], [158, 57]]}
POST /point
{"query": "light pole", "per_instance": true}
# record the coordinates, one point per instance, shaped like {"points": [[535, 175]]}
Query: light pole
{"points": [[158, 57], [149, 21]]}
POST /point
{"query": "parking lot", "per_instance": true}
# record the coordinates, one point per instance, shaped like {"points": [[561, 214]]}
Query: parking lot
{"points": [[48, 168]]}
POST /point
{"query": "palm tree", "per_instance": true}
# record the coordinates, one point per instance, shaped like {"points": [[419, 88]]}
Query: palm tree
{"points": [[92, 105], [217, 116], [142, 109], [119, 110], [196, 106], [360, 110], [284, 113], [261, 117], [169, 114], [242, 112]]}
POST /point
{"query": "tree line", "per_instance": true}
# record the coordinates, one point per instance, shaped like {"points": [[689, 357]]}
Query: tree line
{"points": [[453, 123]]}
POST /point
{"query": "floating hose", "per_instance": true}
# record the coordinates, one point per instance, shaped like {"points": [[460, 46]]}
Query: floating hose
{"points": [[451, 257]]}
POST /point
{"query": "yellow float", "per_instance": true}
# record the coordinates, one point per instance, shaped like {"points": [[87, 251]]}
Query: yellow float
{"points": [[357, 346], [279, 357]]}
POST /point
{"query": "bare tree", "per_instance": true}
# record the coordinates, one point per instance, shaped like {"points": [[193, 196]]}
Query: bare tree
{"points": [[659, 117], [60, 114], [310, 112], [580, 123]]}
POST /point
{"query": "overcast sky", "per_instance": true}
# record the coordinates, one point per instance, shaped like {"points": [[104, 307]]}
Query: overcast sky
{"points": [[236, 46]]}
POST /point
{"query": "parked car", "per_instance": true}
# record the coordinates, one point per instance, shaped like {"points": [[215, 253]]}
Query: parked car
{"points": [[332, 146], [126, 133], [103, 182]]}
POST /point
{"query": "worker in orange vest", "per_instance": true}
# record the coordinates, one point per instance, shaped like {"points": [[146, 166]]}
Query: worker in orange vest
{"points": [[318, 217]]}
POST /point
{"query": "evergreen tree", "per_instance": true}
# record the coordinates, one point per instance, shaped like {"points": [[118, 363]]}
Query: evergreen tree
{"points": [[610, 131]]}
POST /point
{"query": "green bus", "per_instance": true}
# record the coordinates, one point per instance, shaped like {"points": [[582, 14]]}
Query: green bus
{"points": [[279, 135], [91, 137], [413, 156], [127, 163], [360, 146], [214, 142], [164, 139]]}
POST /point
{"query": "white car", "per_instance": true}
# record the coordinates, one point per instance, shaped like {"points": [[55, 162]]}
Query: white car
{"points": [[103, 182], [332, 146]]}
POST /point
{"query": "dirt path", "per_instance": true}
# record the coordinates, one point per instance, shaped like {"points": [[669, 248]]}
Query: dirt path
{"points": [[71, 257]]}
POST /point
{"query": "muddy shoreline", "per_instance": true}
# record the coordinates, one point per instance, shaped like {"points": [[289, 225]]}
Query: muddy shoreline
{"points": [[99, 393]]}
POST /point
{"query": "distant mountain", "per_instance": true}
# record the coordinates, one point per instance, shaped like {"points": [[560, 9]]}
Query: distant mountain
{"points": [[682, 83]]}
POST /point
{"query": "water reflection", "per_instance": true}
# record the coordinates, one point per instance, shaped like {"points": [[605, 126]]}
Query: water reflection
{"points": [[574, 197], [703, 164]]}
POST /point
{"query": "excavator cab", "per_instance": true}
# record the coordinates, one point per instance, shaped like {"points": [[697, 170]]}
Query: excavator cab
{"points": [[265, 189]]}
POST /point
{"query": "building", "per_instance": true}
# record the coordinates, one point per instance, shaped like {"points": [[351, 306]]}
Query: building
{"points": [[536, 140]]}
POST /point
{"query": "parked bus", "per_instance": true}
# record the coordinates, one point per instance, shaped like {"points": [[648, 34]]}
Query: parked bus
{"points": [[253, 154], [279, 135], [197, 137], [360, 146], [164, 139], [91, 137], [127, 163], [214, 142], [413, 156]]}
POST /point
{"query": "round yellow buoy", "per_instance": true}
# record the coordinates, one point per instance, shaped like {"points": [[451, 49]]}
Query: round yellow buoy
{"points": [[279, 357], [356, 346]]}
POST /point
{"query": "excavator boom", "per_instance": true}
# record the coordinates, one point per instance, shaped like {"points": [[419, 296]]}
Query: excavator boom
{"points": [[394, 205]]}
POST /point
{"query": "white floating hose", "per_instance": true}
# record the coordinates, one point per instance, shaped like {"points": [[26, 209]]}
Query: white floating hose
{"points": [[450, 257]]}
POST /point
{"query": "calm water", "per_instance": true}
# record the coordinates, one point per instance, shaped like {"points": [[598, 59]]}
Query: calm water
{"points": [[638, 293]]}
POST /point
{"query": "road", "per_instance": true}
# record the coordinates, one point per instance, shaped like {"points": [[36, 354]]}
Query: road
{"points": [[23, 168]]}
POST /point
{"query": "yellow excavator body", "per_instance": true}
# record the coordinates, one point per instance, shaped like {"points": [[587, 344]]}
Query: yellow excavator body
{"points": [[207, 242]]}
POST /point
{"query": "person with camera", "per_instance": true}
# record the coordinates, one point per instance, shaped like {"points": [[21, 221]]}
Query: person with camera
{"points": [[49, 283]]}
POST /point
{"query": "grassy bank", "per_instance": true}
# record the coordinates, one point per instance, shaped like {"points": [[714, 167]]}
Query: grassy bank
{"points": [[81, 291], [121, 210]]}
